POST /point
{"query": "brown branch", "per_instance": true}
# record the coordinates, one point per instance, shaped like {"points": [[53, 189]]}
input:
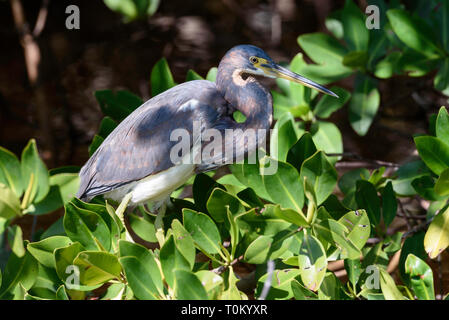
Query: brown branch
{"points": [[41, 19]]}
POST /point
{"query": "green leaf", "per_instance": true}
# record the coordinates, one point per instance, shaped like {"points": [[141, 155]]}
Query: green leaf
{"points": [[188, 286], [9, 203], [416, 64], [292, 216], [322, 48], [146, 258], [414, 32], [437, 236], [425, 187], [389, 204], [132, 9], [434, 153], [35, 171], [441, 80], [301, 150], [331, 288], [139, 279], [15, 240], [184, 242], [358, 226], [218, 201], [280, 284], [192, 75], [356, 59], [203, 185], [406, 173], [43, 250], [321, 174], [348, 180], [442, 184], [312, 262], [284, 186], [328, 105], [10, 172], [283, 137], [212, 74], [117, 105], [142, 227], [335, 233], [61, 293], [388, 66], [327, 137], [63, 187], [421, 277], [442, 125], [172, 259], [366, 197], [203, 230], [415, 245], [21, 270], [161, 77], [388, 287], [355, 32], [258, 251], [364, 104], [86, 227], [212, 282], [97, 267], [65, 269], [353, 269]]}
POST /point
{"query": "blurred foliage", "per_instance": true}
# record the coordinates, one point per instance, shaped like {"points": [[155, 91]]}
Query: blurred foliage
{"points": [[293, 217], [133, 9]]}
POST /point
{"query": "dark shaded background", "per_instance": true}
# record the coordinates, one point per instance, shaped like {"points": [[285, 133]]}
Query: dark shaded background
{"points": [[109, 54]]}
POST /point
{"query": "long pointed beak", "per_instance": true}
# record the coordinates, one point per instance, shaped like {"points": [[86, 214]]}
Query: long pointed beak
{"points": [[284, 73]]}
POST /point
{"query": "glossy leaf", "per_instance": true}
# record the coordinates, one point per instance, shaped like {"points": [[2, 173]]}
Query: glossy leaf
{"points": [[43, 250], [321, 173], [301, 150], [285, 187], [434, 153], [364, 104], [366, 197], [312, 262], [97, 267], [437, 235], [172, 259], [188, 286], [389, 204], [421, 277], [414, 32], [10, 172], [161, 77], [34, 173], [442, 184], [442, 125], [355, 32], [203, 230]]}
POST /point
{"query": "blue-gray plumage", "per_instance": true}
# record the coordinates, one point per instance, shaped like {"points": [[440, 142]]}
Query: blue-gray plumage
{"points": [[135, 158]]}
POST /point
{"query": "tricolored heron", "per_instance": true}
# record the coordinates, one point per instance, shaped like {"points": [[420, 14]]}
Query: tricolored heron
{"points": [[133, 162]]}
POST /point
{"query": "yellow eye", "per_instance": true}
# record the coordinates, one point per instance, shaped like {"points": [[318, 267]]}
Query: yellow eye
{"points": [[253, 60]]}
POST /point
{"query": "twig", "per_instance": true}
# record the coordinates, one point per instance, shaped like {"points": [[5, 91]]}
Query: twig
{"points": [[223, 268], [267, 284], [361, 161], [41, 19]]}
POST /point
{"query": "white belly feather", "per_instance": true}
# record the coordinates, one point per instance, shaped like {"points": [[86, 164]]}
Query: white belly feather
{"points": [[155, 187]]}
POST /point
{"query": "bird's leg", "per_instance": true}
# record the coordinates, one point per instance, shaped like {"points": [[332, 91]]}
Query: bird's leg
{"points": [[121, 214], [159, 223]]}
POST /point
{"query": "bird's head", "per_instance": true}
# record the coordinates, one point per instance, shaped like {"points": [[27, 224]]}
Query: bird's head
{"points": [[251, 60]]}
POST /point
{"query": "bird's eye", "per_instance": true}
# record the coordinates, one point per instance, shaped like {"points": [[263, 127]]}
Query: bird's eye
{"points": [[253, 59]]}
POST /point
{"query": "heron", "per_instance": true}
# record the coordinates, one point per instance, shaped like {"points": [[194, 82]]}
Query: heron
{"points": [[133, 166]]}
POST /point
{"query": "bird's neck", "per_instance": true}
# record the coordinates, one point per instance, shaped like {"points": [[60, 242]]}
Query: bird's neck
{"points": [[248, 96]]}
